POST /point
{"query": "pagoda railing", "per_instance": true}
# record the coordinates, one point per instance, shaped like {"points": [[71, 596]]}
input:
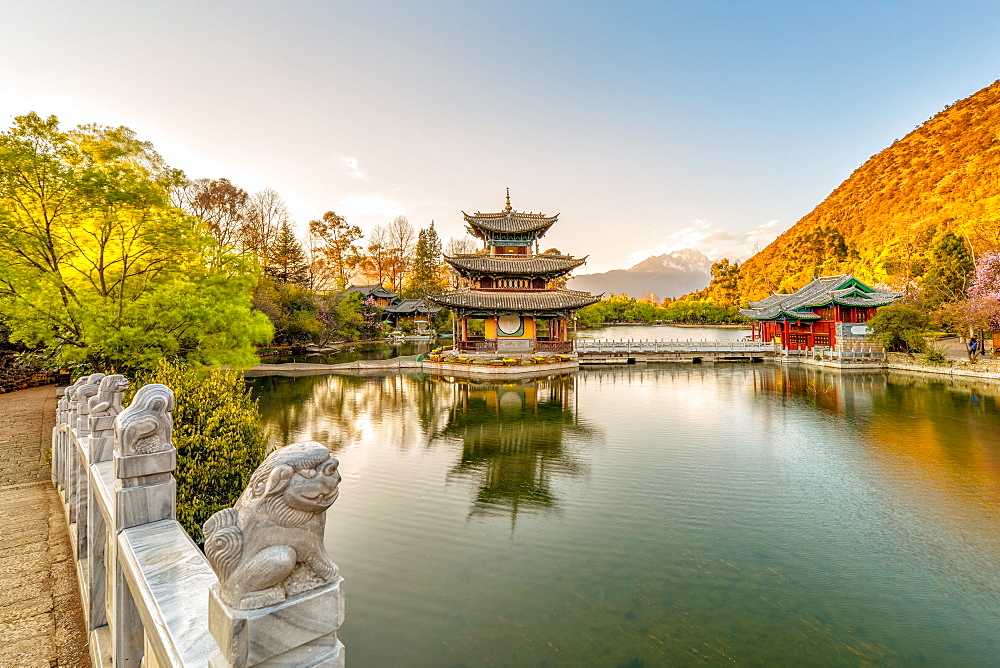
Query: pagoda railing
{"points": [[553, 346], [483, 346]]}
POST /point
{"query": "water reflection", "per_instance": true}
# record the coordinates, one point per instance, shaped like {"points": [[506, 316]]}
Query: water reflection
{"points": [[511, 436], [932, 425], [513, 441], [745, 514]]}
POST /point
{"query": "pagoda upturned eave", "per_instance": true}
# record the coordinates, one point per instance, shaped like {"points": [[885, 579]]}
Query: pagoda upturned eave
{"points": [[551, 266], [509, 222], [515, 300]]}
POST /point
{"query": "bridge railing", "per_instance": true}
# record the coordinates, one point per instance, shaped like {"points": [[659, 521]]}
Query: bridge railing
{"points": [[669, 346], [144, 584]]}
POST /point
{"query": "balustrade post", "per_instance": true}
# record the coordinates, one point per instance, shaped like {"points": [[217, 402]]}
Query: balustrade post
{"points": [[66, 444], [279, 600], [104, 406], [144, 492], [62, 406], [81, 472]]}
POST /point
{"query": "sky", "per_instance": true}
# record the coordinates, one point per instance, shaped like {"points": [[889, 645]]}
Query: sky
{"points": [[648, 126]]}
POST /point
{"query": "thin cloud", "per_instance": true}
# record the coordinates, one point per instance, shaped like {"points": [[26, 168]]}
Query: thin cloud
{"points": [[354, 167]]}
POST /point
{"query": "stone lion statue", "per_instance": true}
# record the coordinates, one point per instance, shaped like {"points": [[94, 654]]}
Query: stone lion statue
{"points": [[270, 544]]}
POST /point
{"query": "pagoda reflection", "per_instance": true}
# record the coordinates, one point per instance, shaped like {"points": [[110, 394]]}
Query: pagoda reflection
{"points": [[516, 442]]}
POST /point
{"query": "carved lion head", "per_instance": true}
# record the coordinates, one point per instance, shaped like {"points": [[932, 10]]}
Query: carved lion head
{"points": [[303, 475]]}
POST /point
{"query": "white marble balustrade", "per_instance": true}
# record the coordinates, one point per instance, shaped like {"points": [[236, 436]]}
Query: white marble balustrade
{"points": [[144, 584]]}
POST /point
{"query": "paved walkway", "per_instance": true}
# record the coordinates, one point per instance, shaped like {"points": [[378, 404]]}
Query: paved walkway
{"points": [[41, 622]]}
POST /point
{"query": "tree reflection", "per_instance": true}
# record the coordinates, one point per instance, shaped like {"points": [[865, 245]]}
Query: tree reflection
{"points": [[513, 438], [940, 428]]}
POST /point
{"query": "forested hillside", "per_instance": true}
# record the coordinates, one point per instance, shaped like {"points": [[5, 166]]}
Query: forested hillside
{"points": [[885, 221]]}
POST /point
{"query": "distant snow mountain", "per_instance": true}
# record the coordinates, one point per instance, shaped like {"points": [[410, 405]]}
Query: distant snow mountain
{"points": [[668, 275]]}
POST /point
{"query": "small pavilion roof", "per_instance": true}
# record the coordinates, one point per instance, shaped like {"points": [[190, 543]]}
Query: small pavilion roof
{"points": [[538, 265], [376, 291], [516, 300], [412, 307], [841, 289]]}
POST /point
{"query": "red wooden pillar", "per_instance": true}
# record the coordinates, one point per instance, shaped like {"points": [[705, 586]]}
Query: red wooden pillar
{"points": [[788, 335]]}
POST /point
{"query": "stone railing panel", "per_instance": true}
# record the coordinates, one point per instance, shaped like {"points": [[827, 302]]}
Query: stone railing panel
{"points": [[150, 597]]}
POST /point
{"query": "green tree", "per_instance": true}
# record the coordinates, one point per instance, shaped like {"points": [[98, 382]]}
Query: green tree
{"points": [[286, 259], [96, 264], [293, 310], [900, 328], [218, 436], [426, 276], [725, 286], [947, 276]]}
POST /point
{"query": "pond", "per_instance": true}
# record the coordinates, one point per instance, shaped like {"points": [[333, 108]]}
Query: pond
{"points": [[382, 350], [675, 515]]}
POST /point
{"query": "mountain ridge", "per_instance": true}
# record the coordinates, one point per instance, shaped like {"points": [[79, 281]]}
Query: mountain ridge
{"points": [[666, 275], [883, 221]]}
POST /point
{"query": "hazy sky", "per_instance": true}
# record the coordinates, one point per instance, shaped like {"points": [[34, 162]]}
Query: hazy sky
{"points": [[649, 126]]}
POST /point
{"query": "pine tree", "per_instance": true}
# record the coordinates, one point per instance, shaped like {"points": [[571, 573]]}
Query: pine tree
{"points": [[948, 275], [425, 278], [287, 261]]}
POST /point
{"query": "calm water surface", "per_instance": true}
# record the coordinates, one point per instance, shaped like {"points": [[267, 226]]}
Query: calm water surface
{"points": [[666, 516], [381, 350]]}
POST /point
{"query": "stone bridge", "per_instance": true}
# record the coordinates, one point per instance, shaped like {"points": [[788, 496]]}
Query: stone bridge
{"points": [[602, 351]]}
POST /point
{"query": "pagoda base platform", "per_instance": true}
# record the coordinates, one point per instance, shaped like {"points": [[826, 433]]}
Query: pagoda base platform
{"points": [[488, 371], [494, 364]]}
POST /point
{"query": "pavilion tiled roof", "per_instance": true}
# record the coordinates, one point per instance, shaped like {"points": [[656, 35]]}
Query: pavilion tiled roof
{"points": [[842, 289], [376, 291], [508, 222], [411, 307], [516, 300], [514, 265]]}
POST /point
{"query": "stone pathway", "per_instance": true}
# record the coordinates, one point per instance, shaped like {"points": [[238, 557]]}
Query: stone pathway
{"points": [[41, 621]]}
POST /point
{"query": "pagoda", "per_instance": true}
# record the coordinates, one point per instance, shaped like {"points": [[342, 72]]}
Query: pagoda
{"points": [[513, 301]]}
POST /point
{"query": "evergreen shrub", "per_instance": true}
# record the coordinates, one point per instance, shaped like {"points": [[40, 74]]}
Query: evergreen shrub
{"points": [[218, 436]]}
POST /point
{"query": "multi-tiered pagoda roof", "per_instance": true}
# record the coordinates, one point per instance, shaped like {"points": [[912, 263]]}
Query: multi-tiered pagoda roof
{"points": [[506, 276], [508, 221], [547, 265]]}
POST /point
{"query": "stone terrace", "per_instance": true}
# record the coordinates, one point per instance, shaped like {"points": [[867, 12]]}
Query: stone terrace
{"points": [[41, 622]]}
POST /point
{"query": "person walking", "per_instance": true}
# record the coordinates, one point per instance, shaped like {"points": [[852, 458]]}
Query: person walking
{"points": [[973, 346]]}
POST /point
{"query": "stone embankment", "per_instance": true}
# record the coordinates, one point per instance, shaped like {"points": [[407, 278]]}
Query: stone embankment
{"points": [[41, 620], [17, 376]]}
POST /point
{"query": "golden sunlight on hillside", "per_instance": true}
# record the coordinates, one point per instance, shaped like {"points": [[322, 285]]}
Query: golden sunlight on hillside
{"points": [[883, 221]]}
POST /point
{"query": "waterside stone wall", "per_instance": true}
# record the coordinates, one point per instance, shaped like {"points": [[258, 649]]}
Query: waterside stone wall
{"points": [[17, 376]]}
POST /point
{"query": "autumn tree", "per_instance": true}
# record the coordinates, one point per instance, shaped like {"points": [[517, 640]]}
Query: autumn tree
{"points": [[263, 217], [376, 261], [334, 242], [97, 265], [220, 204], [459, 246], [399, 244]]}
